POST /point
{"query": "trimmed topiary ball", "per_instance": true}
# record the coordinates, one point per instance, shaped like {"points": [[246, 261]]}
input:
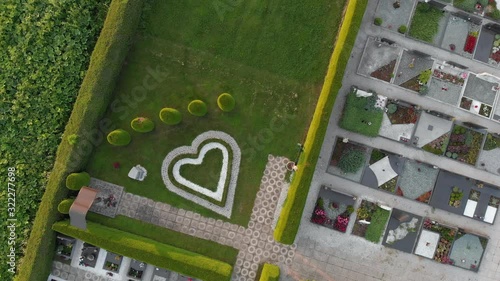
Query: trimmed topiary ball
{"points": [[64, 206], [226, 102], [142, 125], [119, 137], [75, 181], [197, 108], [170, 116]]}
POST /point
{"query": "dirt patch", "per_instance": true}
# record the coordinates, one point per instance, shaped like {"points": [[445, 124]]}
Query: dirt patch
{"points": [[386, 72]]}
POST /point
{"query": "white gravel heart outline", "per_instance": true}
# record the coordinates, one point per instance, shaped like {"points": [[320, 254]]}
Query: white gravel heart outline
{"points": [[217, 194], [226, 209]]}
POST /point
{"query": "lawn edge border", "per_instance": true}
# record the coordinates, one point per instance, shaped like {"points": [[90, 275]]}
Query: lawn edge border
{"points": [[291, 214]]}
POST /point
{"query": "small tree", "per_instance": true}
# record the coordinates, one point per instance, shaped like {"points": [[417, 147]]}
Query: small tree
{"points": [[378, 21], [351, 160], [75, 181], [424, 76]]}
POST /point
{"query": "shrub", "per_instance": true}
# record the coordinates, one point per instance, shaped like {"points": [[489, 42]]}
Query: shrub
{"points": [[226, 102], [73, 139], [142, 125], [402, 29], [197, 108], [64, 206], [351, 160], [270, 272], [149, 251], [425, 22], [170, 116], [424, 76], [391, 108], [378, 21], [75, 181], [119, 137]]}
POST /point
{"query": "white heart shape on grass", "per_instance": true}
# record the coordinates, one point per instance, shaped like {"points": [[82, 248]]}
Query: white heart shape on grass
{"points": [[217, 194], [219, 138]]}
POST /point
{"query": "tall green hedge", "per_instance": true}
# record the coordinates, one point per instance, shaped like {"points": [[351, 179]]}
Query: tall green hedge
{"points": [[85, 120], [270, 272], [149, 251], [291, 214]]}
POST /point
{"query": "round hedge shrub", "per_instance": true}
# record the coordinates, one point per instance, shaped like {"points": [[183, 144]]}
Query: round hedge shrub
{"points": [[64, 206], [402, 29], [170, 116], [142, 125], [197, 108], [75, 181], [226, 102], [378, 21], [119, 137]]}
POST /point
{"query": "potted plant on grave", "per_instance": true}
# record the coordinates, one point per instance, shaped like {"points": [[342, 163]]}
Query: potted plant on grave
{"points": [[456, 197]]}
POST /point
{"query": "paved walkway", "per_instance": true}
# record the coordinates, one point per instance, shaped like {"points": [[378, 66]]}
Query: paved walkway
{"points": [[255, 243], [324, 254]]}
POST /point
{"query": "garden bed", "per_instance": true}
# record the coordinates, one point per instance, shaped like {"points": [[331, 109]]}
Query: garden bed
{"points": [[464, 145], [417, 181], [425, 23], [400, 114], [467, 250], [446, 237], [438, 146], [333, 210], [402, 230], [360, 115], [386, 72], [371, 221]]}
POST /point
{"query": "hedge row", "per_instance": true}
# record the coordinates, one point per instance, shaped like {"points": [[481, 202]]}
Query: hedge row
{"points": [[149, 251], [270, 272], [291, 214], [93, 98]]}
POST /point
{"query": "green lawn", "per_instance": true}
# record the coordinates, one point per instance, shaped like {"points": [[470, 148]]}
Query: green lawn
{"points": [[271, 56], [358, 113], [376, 227], [425, 22]]}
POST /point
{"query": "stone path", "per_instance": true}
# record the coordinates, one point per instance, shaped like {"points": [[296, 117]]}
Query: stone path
{"points": [[256, 243]]}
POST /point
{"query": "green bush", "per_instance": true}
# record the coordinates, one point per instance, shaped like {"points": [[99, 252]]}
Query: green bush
{"points": [[351, 160], [226, 102], [391, 108], [93, 99], [142, 125], [402, 29], [73, 139], [119, 137], [64, 206], [75, 181], [424, 76], [170, 116], [197, 108], [270, 272], [378, 21], [148, 251], [291, 214]]}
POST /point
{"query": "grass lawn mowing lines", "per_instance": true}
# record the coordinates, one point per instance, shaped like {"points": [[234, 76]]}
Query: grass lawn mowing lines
{"points": [[425, 22], [358, 116], [270, 94]]}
